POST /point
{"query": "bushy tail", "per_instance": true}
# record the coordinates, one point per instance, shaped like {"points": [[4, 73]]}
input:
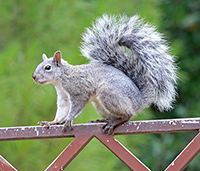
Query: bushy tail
{"points": [[138, 50]]}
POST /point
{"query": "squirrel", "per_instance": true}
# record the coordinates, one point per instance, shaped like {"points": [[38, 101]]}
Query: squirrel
{"points": [[130, 69]]}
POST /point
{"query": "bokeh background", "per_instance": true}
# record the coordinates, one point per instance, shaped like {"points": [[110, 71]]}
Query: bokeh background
{"points": [[30, 28]]}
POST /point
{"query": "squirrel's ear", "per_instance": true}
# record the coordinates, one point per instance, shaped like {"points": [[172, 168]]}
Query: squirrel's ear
{"points": [[44, 57], [57, 57]]}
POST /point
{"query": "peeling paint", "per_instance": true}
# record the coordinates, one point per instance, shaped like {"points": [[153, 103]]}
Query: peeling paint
{"points": [[16, 130], [138, 126], [130, 123], [37, 132], [191, 122], [172, 122]]}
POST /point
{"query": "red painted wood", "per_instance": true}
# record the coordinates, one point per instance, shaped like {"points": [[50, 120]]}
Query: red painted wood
{"points": [[122, 152], [5, 165], [186, 156], [83, 134], [69, 153]]}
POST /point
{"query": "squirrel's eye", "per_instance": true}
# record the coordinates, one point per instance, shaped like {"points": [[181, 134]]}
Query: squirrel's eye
{"points": [[47, 67]]}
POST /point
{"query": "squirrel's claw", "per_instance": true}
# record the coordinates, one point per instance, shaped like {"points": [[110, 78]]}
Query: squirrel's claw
{"points": [[99, 121], [44, 123], [68, 124], [108, 128], [47, 124]]}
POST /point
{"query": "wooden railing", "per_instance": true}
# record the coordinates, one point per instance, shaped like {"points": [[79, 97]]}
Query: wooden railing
{"points": [[84, 133]]}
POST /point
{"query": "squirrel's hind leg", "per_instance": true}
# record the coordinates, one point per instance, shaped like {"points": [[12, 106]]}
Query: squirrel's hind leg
{"points": [[110, 124], [114, 107], [108, 128]]}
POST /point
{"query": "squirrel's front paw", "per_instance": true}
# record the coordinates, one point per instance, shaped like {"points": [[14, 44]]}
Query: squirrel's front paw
{"points": [[68, 124], [46, 123]]}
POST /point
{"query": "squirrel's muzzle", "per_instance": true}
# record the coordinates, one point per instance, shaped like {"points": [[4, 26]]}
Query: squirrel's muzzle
{"points": [[37, 80], [34, 76]]}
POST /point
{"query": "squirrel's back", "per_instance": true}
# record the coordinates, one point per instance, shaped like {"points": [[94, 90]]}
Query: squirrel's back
{"points": [[138, 50]]}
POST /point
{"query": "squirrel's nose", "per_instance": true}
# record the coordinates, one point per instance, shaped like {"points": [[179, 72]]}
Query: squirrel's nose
{"points": [[34, 76]]}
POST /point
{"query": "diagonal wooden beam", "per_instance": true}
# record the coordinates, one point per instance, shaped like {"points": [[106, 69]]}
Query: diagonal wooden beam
{"points": [[69, 153], [122, 152], [5, 165], [186, 156]]}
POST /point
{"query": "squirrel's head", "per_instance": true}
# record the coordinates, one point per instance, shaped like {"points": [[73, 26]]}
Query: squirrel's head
{"points": [[48, 71]]}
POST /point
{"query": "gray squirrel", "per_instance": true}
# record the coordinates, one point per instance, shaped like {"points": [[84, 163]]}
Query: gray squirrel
{"points": [[130, 69]]}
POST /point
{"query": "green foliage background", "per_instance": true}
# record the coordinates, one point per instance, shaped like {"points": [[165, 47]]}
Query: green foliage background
{"points": [[30, 28]]}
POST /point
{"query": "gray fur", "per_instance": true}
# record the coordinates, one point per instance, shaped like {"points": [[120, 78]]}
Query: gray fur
{"points": [[130, 69], [138, 50]]}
